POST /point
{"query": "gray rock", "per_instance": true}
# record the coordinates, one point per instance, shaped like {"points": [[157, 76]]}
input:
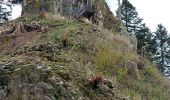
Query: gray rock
{"points": [[46, 88], [60, 91], [109, 83], [132, 69], [3, 93], [133, 41], [53, 98], [45, 98], [99, 18], [70, 8], [34, 76]]}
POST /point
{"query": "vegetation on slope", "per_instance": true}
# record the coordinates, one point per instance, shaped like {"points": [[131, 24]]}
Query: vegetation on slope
{"points": [[76, 60]]}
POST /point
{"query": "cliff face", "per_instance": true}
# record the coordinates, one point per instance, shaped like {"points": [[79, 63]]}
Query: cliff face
{"points": [[95, 10], [69, 8]]}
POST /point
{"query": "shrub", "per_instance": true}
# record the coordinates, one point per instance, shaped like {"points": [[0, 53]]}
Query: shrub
{"points": [[151, 71]]}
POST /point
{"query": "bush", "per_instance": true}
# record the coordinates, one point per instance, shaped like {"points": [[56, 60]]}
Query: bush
{"points": [[151, 71], [96, 80]]}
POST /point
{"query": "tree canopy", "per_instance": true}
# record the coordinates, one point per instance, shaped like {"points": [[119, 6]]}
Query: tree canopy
{"points": [[129, 16], [5, 11], [134, 25], [162, 56]]}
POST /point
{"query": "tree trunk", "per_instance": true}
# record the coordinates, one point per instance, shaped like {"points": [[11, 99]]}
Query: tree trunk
{"points": [[19, 28]]}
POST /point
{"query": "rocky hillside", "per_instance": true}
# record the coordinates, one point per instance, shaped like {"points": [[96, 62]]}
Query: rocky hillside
{"points": [[57, 58], [74, 60]]}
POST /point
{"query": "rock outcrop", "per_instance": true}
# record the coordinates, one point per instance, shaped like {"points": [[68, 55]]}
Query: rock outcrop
{"points": [[132, 69], [97, 11]]}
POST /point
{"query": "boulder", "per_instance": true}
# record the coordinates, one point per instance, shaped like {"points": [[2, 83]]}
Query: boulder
{"points": [[3, 94], [132, 69]]}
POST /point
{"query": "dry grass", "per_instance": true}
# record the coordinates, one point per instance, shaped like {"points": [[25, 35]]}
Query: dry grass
{"points": [[89, 53]]}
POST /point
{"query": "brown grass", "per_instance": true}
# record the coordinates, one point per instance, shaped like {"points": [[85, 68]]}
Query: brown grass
{"points": [[11, 43]]}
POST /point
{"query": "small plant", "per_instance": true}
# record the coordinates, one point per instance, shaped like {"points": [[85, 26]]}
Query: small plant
{"points": [[65, 42], [151, 71], [96, 80], [42, 14]]}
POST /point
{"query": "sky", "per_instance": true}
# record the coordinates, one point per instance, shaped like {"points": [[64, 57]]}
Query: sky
{"points": [[153, 12], [16, 11]]}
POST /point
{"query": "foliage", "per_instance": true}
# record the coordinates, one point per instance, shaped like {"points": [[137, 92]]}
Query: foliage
{"points": [[96, 80], [112, 62], [146, 42], [133, 23], [15, 1], [162, 49], [106, 60], [71, 67], [5, 11], [129, 16], [151, 71]]}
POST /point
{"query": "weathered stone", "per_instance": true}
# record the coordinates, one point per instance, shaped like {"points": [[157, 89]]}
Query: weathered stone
{"points": [[97, 11], [2, 94], [53, 98], [133, 41], [99, 19], [45, 98], [132, 69], [47, 88], [34, 76], [61, 92], [69, 8], [109, 83]]}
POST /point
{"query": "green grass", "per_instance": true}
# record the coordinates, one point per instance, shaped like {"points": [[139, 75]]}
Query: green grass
{"points": [[88, 53]]}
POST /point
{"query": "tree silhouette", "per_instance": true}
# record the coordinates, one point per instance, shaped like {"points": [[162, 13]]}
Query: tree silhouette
{"points": [[5, 11], [162, 49]]}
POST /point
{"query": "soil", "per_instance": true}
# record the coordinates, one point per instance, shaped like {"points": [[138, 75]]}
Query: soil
{"points": [[12, 42]]}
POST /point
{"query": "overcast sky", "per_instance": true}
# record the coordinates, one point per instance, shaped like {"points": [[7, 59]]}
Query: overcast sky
{"points": [[152, 11], [16, 11]]}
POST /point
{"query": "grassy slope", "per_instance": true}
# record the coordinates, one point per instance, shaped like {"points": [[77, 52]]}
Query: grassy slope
{"points": [[77, 53]]}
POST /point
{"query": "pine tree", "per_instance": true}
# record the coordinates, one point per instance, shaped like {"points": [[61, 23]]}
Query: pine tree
{"points": [[16, 1], [5, 11], [146, 41], [129, 16], [133, 24], [162, 49]]}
